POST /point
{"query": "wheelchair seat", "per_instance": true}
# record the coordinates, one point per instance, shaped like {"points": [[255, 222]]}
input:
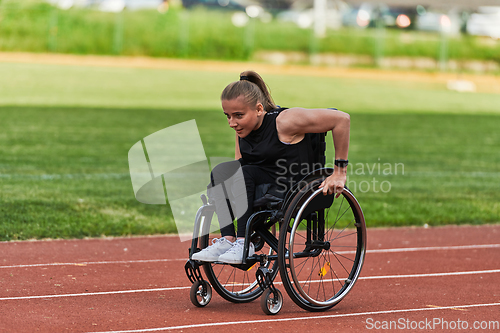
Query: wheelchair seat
{"points": [[267, 195]]}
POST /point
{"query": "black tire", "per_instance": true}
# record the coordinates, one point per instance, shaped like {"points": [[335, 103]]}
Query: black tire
{"points": [[271, 303], [201, 293], [231, 282], [319, 275]]}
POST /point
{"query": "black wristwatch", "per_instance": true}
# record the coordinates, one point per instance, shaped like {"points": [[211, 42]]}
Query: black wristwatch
{"points": [[341, 163]]}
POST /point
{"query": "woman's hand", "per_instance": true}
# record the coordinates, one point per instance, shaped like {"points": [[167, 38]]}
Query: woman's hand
{"points": [[334, 183]]}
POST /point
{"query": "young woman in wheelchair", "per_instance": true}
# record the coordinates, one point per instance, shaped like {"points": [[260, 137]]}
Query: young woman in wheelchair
{"points": [[270, 149]]}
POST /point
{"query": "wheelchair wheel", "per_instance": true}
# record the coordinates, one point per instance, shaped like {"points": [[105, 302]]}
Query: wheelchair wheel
{"points": [[201, 293], [271, 302], [235, 283], [322, 247]]}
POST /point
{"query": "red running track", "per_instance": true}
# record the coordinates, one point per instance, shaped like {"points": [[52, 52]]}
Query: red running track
{"points": [[429, 279]]}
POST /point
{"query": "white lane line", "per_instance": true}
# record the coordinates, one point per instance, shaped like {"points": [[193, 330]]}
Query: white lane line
{"points": [[428, 275], [94, 294], [396, 250], [66, 176], [402, 276], [275, 320], [183, 288], [435, 248], [85, 263]]}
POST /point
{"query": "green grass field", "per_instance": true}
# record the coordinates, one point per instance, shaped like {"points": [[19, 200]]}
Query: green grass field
{"points": [[65, 132]]}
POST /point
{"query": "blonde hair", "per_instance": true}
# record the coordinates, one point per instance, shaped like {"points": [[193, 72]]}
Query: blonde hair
{"points": [[253, 89]]}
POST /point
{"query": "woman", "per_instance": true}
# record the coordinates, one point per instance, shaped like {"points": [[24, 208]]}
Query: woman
{"points": [[272, 148]]}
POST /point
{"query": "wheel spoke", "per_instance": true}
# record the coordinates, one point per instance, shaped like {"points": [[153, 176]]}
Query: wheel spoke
{"points": [[340, 262], [337, 254], [331, 273], [343, 236], [340, 207], [338, 235], [303, 265]]}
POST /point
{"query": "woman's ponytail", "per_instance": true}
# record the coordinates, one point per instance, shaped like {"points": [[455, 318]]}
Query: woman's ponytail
{"points": [[252, 87]]}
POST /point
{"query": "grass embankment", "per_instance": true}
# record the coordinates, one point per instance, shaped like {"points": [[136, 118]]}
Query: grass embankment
{"points": [[207, 34], [65, 133]]}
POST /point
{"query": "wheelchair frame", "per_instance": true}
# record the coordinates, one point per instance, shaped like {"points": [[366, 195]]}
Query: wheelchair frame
{"points": [[304, 207]]}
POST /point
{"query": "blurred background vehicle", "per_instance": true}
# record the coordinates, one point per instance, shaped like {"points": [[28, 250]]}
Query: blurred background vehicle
{"points": [[450, 21], [370, 14], [486, 22], [302, 13], [244, 9]]}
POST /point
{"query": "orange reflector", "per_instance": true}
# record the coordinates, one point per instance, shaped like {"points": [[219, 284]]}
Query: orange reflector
{"points": [[252, 267], [323, 270]]}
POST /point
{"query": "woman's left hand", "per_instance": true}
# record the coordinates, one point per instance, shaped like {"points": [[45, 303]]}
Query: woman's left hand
{"points": [[334, 184]]}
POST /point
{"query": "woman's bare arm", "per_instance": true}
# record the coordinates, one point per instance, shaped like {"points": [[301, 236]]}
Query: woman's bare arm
{"points": [[296, 122]]}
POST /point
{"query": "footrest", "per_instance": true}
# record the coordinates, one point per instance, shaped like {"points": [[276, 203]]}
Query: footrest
{"points": [[192, 269]]}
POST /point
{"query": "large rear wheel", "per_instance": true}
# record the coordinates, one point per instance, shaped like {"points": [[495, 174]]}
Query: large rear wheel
{"points": [[321, 247]]}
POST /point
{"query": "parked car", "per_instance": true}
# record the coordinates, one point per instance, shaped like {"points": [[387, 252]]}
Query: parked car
{"points": [[370, 14], [485, 23], [302, 13], [450, 22]]}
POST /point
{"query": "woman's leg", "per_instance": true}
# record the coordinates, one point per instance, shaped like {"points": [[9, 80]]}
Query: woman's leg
{"points": [[224, 177], [253, 176]]}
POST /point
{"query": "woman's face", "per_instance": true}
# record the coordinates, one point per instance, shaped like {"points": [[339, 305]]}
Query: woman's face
{"points": [[241, 117]]}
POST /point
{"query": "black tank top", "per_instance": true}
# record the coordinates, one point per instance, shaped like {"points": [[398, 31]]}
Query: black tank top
{"points": [[263, 148]]}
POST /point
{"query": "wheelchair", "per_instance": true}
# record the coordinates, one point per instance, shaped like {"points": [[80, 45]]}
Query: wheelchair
{"points": [[317, 243]]}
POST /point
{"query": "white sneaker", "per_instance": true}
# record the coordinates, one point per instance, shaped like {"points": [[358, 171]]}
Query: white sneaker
{"points": [[212, 252], [235, 254]]}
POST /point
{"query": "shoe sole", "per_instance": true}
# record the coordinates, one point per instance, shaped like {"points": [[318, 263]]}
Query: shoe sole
{"points": [[205, 260], [230, 262], [234, 262]]}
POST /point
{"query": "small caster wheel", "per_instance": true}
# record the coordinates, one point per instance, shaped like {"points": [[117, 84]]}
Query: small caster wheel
{"points": [[271, 302], [201, 293]]}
